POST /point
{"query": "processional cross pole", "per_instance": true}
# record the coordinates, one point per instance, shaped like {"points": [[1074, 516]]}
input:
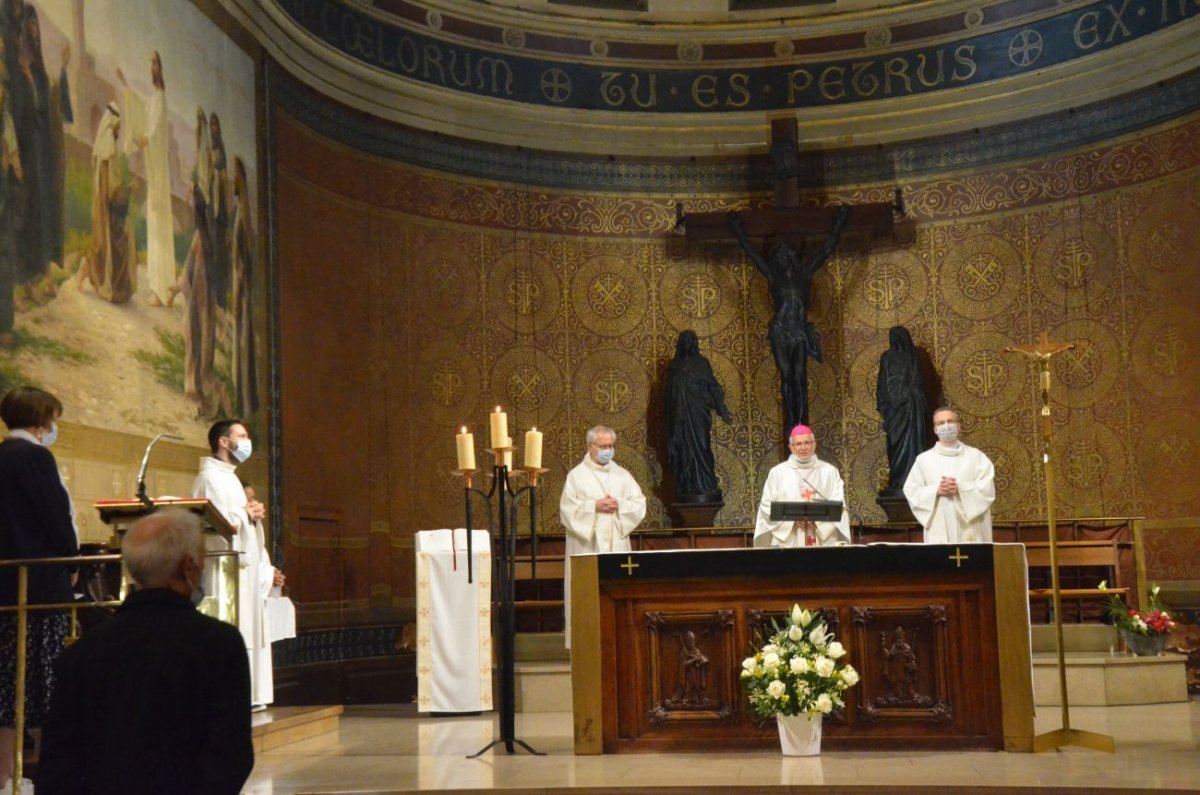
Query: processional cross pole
{"points": [[1041, 352], [785, 226]]}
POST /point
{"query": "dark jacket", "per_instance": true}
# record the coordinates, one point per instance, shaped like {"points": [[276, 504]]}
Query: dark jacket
{"points": [[35, 521], [155, 701]]}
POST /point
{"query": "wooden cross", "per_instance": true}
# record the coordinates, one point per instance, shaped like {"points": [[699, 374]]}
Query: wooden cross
{"points": [[786, 219]]}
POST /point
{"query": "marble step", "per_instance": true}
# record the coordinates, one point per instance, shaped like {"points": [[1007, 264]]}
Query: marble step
{"points": [[1105, 680]]}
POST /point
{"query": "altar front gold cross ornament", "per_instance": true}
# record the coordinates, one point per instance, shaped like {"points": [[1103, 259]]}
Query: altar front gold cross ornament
{"points": [[958, 557], [629, 565]]}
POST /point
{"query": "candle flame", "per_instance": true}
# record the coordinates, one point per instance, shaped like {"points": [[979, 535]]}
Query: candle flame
{"points": [[497, 409], [464, 429], [535, 427]]}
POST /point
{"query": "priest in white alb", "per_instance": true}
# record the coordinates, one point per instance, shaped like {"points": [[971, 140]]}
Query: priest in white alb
{"points": [[951, 487], [601, 505], [218, 482], [801, 478]]}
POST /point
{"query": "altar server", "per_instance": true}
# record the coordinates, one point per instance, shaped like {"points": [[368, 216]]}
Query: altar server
{"points": [[601, 506], [218, 482], [951, 487]]}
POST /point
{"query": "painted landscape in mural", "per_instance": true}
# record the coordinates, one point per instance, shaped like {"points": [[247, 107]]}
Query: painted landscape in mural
{"points": [[129, 273]]}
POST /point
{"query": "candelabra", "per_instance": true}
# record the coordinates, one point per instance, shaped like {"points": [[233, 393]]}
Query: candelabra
{"points": [[501, 527]]}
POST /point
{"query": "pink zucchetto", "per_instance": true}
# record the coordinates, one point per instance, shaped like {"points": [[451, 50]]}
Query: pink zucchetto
{"points": [[800, 430]]}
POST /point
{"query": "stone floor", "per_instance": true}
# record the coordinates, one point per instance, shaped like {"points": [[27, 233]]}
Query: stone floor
{"points": [[391, 749]]}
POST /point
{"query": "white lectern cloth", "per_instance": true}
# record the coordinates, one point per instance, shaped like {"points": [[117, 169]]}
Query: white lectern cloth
{"points": [[454, 622]]}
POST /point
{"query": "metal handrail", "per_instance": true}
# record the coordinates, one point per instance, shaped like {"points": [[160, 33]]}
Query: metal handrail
{"points": [[22, 608]]}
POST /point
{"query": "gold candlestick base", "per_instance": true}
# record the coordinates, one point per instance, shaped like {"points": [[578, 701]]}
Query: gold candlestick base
{"points": [[467, 475], [534, 473]]}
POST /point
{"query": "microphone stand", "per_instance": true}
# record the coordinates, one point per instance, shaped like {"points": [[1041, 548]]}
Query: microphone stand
{"points": [[141, 478]]}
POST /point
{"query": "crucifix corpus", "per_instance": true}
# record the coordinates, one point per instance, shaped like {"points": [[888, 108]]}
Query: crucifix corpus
{"points": [[785, 228]]}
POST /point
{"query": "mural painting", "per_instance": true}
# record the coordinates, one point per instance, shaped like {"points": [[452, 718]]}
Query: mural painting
{"points": [[130, 277]]}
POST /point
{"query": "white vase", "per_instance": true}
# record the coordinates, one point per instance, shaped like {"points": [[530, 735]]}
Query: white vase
{"points": [[799, 735]]}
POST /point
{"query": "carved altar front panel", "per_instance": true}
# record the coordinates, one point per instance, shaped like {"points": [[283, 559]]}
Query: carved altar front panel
{"points": [[926, 646]]}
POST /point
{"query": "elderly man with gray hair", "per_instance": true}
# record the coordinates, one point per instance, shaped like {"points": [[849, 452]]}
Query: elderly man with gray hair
{"points": [[156, 699], [601, 505]]}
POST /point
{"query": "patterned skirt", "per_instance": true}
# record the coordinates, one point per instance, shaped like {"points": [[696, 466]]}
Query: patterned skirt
{"points": [[46, 639]]}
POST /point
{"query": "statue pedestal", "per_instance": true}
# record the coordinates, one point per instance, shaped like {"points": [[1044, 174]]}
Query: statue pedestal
{"points": [[896, 507], [698, 513]]}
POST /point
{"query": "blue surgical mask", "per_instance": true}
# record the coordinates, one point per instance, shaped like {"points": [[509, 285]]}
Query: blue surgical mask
{"points": [[50, 436], [198, 594], [604, 456], [243, 450]]}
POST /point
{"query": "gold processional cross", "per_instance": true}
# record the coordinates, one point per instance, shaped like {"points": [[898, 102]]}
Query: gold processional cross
{"points": [[1041, 352]]}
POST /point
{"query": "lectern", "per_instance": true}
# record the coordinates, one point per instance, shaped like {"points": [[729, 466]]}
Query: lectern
{"points": [[811, 511], [220, 565]]}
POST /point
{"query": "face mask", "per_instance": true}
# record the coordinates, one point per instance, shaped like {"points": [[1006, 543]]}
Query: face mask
{"points": [[50, 436], [243, 450], [197, 594], [947, 432], [804, 461], [605, 455]]}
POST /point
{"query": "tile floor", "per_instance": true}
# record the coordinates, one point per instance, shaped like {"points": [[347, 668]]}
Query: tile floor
{"points": [[391, 749]]}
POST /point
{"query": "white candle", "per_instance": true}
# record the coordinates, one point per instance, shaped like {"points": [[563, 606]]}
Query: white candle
{"points": [[499, 428], [466, 449], [533, 448], [508, 458]]}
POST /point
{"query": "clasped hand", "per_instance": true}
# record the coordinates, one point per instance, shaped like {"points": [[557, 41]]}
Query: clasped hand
{"points": [[948, 487], [606, 504], [256, 511]]}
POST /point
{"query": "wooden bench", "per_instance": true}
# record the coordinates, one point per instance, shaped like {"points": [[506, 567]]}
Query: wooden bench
{"points": [[532, 584], [1076, 554]]}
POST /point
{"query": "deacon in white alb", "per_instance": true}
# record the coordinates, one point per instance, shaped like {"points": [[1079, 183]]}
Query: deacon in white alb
{"points": [[601, 505], [951, 487], [218, 482], [801, 478]]}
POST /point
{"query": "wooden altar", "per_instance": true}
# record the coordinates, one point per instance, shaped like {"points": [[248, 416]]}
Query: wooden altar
{"points": [[938, 633]]}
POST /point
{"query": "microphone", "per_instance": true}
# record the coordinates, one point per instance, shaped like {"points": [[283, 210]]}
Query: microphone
{"points": [[811, 486], [141, 480]]}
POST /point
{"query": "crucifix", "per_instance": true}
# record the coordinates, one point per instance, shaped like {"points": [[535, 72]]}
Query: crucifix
{"points": [[1041, 352], [786, 226]]}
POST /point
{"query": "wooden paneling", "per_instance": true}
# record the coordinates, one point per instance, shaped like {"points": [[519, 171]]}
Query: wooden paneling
{"points": [[926, 643]]}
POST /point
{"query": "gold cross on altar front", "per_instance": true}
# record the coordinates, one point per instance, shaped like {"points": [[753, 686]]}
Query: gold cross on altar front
{"points": [[958, 557], [629, 565]]}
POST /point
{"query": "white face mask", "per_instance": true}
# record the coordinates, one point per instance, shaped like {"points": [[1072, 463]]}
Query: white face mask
{"points": [[242, 451], [947, 431], [50, 436]]}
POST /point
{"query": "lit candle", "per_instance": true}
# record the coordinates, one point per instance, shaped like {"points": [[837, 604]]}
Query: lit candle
{"points": [[508, 453], [533, 449], [466, 449], [499, 427]]}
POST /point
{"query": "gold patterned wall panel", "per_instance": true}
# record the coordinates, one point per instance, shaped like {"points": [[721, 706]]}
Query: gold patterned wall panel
{"points": [[564, 307]]}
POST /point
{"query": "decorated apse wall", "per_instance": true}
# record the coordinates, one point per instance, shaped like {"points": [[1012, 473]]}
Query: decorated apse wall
{"points": [[128, 214], [413, 300]]}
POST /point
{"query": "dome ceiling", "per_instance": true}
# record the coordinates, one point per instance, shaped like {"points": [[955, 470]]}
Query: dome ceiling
{"points": [[639, 77]]}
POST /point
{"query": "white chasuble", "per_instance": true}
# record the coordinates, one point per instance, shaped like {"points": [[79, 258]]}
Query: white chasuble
{"points": [[791, 481], [965, 517], [590, 531]]}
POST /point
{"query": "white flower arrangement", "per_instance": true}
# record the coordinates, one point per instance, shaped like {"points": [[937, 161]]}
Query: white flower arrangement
{"points": [[796, 672]]}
